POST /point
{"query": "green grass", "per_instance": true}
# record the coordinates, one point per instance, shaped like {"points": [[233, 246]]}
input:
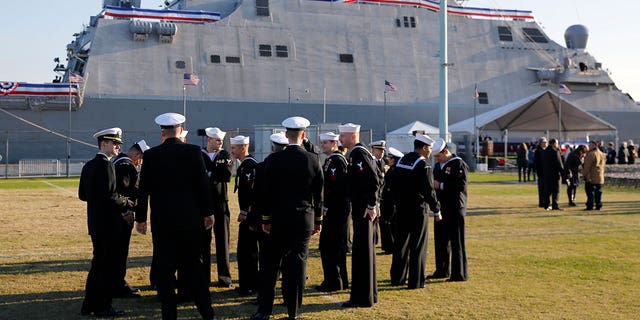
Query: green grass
{"points": [[524, 262]]}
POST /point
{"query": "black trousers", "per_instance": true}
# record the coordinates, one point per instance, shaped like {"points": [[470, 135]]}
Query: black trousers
{"points": [[442, 249], [386, 227], [551, 190], [181, 250], [287, 250], [410, 254], [221, 234], [102, 274], [333, 249], [122, 253], [364, 286], [248, 257], [454, 222], [594, 195]]}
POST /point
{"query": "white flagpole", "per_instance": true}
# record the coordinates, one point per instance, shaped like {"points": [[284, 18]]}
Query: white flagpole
{"points": [[184, 104]]}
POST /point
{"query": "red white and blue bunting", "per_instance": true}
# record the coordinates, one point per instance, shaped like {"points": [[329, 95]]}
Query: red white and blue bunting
{"points": [[165, 15], [453, 10], [38, 89]]}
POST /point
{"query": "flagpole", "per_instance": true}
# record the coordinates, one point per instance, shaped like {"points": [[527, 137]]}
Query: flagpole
{"points": [[385, 113], [475, 126], [559, 118], [184, 104], [69, 129], [324, 106]]}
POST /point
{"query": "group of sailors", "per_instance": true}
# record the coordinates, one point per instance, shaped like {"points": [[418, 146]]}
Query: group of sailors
{"points": [[283, 201]]}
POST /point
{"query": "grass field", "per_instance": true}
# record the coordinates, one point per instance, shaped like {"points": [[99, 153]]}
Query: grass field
{"points": [[524, 262]]}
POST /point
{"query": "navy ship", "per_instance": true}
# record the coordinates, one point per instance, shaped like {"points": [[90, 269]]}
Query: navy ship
{"points": [[255, 62]]}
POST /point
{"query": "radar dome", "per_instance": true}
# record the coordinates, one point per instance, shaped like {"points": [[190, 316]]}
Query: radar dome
{"points": [[576, 37]]}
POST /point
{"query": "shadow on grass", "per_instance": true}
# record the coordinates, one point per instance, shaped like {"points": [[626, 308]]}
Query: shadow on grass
{"points": [[609, 208]]}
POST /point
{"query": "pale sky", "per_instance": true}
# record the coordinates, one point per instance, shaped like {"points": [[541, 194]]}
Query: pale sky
{"points": [[36, 31]]}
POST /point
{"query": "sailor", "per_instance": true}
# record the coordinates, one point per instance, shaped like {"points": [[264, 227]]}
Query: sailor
{"points": [[291, 220], [173, 181], [127, 166], [412, 189], [450, 182], [104, 220], [364, 180], [335, 223], [387, 206], [378, 149], [247, 235], [218, 162]]}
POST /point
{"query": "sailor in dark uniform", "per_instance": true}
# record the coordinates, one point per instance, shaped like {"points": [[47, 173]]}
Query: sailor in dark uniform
{"points": [[104, 220], [335, 224], [127, 166], [378, 149], [291, 220], [413, 192], [247, 234], [173, 181], [387, 204], [218, 162], [450, 181], [364, 181]]}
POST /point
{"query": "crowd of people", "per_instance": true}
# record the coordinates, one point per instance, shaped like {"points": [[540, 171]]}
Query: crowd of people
{"points": [[283, 201]]}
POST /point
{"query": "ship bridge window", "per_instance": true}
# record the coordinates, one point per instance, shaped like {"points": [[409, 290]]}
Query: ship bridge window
{"points": [[505, 34], [262, 8], [534, 35], [231, 59], [215, 58], [346, 58], [406, 21], [180, 64], [282, 51], [483, 98], [264, 50]]}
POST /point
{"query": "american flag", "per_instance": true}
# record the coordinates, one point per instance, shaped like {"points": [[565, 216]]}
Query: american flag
{"points": [[75, 78], [191, 79], [562, 89], [388, 86], [476, 94]]}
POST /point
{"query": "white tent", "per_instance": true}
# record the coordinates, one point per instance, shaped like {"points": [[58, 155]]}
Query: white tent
{"points": [[534, 115], [402, 138]]}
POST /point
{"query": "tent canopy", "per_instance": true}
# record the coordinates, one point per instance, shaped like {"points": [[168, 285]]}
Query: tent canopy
{"points": [[536, 114], [415, 126]]}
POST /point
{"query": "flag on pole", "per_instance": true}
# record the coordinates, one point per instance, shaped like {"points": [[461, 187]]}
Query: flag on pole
{"points": [[476, 94], [75, 78], [191, 79], [563, 89], [388, 86]]}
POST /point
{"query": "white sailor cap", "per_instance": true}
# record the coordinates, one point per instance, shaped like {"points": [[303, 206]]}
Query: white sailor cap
{"points": [[295, 123], [380, 144], [395, 153], [279, 138], [239, 140], [424, 139], [184, 134], [170, 120], [329, 136], [349, 128], [215, 133], [438, 146], [142, 146], [114, 134]]}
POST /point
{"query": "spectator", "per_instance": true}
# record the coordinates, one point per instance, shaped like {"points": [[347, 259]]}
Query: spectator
{"points": [[522, 162]]}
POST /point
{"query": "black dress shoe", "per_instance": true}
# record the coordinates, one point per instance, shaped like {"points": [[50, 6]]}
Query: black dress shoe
{"points": [[455, 280], [588, 209], [260, 316], [556, 208], [350, 304], [322, 288], [109, 312], [572, 204], [436, 275]]}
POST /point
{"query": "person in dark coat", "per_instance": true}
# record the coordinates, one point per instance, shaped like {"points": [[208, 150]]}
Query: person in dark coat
{"points": [[218, 162], [387, 217], [450, 180], [378, 150], [553, 172], [248, 246], [293, 182], [174, 184], [105, 223], [572, 167], [364, 181], [413, 192], [522, 161], [611, 153], [335, 223], [623, 153], [127, 166], [633, 152], [537, 163]]}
